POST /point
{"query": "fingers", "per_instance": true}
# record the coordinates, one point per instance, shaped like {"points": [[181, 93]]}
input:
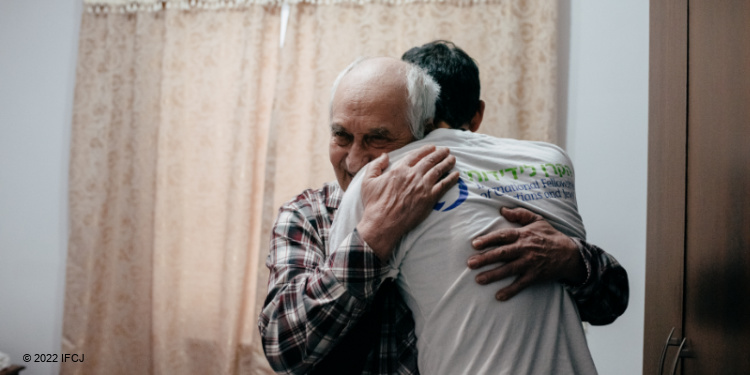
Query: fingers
{"points": [[519, 215], [377, 166], [414, 157], [497, 255], [431, 165], [524, 279], [427, 157], [514, 288], [445, 184], [502, 237], [496, 238], [533, 253], [496, 274], [436, 159], [440, 169]]}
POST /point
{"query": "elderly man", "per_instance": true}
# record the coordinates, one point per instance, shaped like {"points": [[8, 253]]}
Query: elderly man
{"points": [[322, 313]]}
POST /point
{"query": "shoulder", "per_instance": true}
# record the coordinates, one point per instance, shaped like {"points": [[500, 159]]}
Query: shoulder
{"points": [[534, 145], [328, 196], [544, 150], [314, 207], [467, 138]]}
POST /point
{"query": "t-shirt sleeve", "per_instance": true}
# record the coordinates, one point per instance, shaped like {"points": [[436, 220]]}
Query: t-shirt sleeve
{"points": [[349, 213]]}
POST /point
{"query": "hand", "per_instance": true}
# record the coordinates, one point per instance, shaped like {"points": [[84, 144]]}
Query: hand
{"points": [[536, 252], [397, 200]]}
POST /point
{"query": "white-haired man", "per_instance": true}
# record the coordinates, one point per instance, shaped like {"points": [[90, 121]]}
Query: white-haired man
{"points": [[333, 315]]}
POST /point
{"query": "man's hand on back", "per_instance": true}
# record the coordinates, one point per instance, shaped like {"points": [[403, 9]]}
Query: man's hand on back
{"points": [[399, 199], [536, 252]]}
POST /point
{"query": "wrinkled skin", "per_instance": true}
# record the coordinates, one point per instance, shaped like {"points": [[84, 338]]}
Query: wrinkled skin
{"points": [[535, 252]]}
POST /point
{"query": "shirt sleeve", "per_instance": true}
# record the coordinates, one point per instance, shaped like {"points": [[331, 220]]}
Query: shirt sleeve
{"points": [[312, 300], [604, 295]]}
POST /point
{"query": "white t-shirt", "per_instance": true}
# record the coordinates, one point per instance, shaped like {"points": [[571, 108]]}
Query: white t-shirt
{"points": [[460, 327]]}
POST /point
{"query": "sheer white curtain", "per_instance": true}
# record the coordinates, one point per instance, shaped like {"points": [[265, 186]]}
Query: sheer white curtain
{"points": [[166, 191]]}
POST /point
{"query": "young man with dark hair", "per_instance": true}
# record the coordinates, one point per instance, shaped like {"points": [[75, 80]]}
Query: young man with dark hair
{"points": [[458, 77], [600, 300]]}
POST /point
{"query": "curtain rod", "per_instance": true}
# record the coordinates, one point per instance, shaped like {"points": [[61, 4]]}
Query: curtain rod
{"points": [[131, 6]]}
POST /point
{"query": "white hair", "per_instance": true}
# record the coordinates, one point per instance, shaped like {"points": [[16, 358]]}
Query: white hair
{"points": [[422, 92]]}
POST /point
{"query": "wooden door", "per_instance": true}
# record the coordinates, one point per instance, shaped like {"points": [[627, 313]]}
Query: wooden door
{"points": [[667, 161], [698, 243], [717, 261]]}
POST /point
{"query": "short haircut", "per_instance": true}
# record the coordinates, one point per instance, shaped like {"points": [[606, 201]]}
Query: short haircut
{"points": [[422, 91], [458, 76]]}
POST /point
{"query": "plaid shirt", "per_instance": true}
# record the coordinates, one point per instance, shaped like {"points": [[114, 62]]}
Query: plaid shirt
{"points": [[336, 314]]}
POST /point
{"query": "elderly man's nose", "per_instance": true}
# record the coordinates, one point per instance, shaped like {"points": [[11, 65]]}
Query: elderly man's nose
{"points": [[357, 159]]}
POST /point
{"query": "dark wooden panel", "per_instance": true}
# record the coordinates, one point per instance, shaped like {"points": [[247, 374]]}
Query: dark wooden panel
{"points": [[665, 246], [717, 299]]}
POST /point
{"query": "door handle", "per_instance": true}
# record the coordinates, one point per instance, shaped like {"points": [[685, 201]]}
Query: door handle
{"points": [[682, 352], [664, 353], [678, 355]]}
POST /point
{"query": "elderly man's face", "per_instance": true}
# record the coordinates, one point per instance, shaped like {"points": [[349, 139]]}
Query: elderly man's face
{"points": [[368, 118]]}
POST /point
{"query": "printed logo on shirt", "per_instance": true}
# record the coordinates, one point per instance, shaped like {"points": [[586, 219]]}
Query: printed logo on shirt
{"points": [[463, 192], [560, 170], [543, 188], [552, 182], [518, 182]]}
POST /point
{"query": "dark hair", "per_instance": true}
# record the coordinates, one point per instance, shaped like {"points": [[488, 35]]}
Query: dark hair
{"points": [[458, 76]]}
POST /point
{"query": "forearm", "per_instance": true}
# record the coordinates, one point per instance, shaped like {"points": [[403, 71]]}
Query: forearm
{"points": [[604, 295], [575, 269], [292, 343], [309, 308]]}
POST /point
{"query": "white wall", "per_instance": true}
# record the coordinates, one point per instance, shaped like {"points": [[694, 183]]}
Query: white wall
{"points": [[38, 47], [605, 130]]}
